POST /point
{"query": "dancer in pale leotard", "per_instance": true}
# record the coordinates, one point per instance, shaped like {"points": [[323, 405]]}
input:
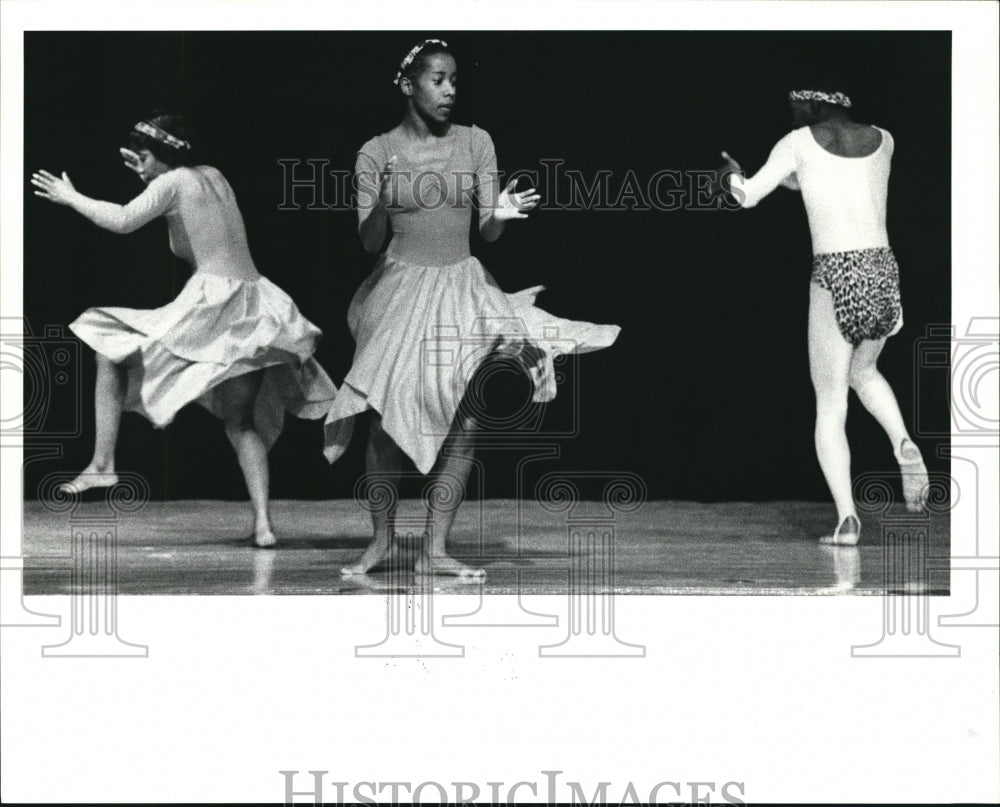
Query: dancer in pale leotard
{"points": [[232, 340], [422, 319], [842, 169]]}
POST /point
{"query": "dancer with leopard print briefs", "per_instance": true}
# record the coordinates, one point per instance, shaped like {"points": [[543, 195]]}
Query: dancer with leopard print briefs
{"points": [[842, 169]]}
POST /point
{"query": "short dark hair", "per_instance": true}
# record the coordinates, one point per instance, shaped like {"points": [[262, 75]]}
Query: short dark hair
{"points": [[165, 153]]}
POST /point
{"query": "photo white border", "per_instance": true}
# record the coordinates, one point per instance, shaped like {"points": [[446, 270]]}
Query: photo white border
{"points": [[752, 689]]}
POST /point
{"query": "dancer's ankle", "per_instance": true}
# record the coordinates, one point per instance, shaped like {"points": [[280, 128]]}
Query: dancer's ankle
{"points": [[908, 453], [848, 532], [100, 466], [849, 524]]}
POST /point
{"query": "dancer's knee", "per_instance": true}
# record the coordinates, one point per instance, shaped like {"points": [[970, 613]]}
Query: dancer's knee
{"points": [[104, 363], [237, 417], [860, 377], [831, 407]]}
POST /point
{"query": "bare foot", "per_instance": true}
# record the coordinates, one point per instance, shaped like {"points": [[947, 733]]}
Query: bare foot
{"points": [[89, 478], [378, 550], [847, 534], [445, 564], [911, 467]]}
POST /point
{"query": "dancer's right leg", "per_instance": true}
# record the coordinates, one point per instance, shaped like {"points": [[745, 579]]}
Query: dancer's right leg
{"points": [[383, 461], [109, 398], [829, 368], [236, 398]]}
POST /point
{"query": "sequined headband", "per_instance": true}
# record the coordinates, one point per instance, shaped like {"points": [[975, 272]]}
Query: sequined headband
{"points": [[413, 55], [157, 133], [837, 98]]}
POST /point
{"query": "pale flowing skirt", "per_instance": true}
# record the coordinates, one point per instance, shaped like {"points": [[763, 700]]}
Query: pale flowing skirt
{"points": [[421, 333], [216, 329]]}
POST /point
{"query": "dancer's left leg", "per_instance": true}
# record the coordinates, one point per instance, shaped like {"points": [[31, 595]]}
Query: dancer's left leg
{"points": [[383, 463], [237, 397], [109, 399], [451, 474], [877, 396]]}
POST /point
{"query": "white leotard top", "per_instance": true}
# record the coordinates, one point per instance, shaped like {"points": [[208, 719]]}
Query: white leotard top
{"points": [[845, 197]]}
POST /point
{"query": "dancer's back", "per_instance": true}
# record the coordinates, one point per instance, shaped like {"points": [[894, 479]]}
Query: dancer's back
{"points": [[206, 227]]}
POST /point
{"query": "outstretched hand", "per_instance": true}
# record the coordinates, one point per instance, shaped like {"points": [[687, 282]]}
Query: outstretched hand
{"points": [[56, 189], [513, 205], [729, 167], [133, 162], [731, 164]]}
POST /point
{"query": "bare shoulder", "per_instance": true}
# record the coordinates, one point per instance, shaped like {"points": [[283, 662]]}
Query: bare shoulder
{"points": [[868, 135], [823, 134], [884, 134], [848, 139]]}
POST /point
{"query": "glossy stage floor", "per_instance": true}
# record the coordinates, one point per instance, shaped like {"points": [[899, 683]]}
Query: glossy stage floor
{"points": [[195, 547]]}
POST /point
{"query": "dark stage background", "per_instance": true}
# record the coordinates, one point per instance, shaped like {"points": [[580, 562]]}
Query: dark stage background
{"points": [[706, 394]]}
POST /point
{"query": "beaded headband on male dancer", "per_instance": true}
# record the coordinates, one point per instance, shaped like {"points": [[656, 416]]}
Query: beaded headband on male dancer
{"points": [[155, 132], [836, 98], [408, 60]]}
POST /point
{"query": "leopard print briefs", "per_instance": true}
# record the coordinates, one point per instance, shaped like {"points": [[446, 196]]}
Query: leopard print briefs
{"points": [[865, 288]]}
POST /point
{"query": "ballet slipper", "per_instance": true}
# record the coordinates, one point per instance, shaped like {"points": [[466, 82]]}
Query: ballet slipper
{"points": [[848, 533], [87, 480], [914, 474]]}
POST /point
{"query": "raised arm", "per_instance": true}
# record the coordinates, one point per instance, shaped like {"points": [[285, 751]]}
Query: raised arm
{"points": [[496, 205], [487, 184], [158, 198], [778, 170]]}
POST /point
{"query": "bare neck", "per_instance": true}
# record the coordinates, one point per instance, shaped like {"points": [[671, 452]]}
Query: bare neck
{"points": [[416, 128]]}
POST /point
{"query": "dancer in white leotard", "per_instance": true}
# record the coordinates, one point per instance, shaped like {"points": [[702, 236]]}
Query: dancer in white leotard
{"points": [[842, 170]]}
